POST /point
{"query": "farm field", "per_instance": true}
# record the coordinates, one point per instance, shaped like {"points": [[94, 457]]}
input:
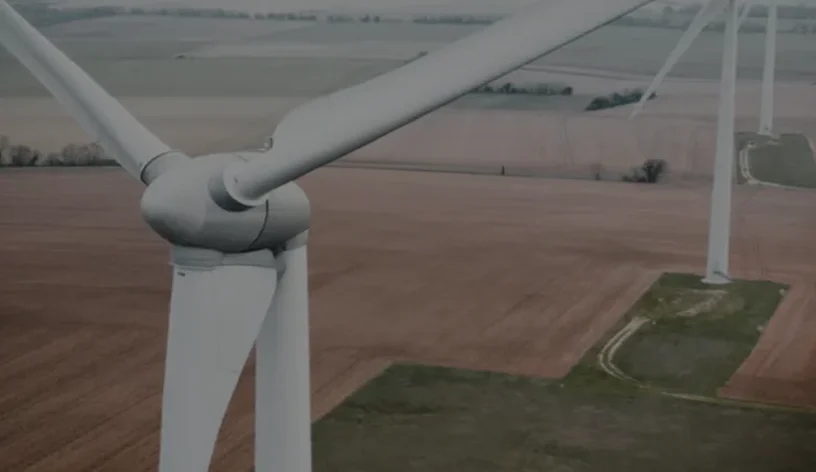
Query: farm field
{"points": [[272, 58], [677, 127], [616, 48], [505, 274], [612, 48], [295, 5]]}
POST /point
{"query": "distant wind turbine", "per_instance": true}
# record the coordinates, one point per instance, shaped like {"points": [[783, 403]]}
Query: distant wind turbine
{"points": [[720, 224], [766, 111]]}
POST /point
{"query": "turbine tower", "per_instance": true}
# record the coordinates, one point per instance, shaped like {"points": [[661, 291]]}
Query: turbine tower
{"points": [[766, 110], [238, 225], [720, 218]]}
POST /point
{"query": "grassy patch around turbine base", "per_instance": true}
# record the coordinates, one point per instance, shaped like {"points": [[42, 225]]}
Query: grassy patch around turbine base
{"points": [[695, 336], [787, 160]]}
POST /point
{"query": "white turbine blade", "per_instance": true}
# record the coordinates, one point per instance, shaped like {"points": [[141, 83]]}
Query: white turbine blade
{"points": [[703, 18], [282, 395], [99, 114], [216, 313], [331, 126]]}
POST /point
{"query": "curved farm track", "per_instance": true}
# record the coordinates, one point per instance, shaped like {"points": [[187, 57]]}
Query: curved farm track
{"points": [[516, 275]]}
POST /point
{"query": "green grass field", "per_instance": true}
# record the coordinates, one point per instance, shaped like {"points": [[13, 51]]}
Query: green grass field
{"points": [[434, 419], [788, 161]]}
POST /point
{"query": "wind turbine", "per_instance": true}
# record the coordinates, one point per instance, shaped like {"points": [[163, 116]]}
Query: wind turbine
{"points": [[766, 110], [238, 224], [720, 224]]}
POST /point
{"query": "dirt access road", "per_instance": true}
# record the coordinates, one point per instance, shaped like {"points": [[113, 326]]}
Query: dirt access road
{"points": [[509, 274]]}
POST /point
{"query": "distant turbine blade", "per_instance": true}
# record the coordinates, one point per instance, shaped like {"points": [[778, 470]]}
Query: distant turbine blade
{"points": [[99, 114], [746, 8], [703, 18], [331, 126], [216, 312]]}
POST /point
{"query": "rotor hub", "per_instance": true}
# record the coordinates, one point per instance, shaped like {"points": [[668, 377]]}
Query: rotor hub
{"points": [[179, 205]]}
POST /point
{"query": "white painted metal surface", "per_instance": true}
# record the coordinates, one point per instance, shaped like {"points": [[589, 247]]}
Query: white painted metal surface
{"points": [[282, 394], [766, 111], [720, 219], [216, 311]]}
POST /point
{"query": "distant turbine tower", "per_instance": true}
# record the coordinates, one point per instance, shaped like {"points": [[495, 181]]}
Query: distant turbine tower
{"points": [[766, 111]]}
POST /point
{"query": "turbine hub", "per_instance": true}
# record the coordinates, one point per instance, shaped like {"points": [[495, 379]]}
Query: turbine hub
{"points": [[179, 206]]}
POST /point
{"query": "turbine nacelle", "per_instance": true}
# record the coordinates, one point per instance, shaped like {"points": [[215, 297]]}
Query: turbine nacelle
{"points": [[185, 204]]}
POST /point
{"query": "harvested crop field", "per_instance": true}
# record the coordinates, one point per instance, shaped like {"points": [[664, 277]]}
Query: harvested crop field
{"points": [[678, 127], [611, 48], [507, 274]]}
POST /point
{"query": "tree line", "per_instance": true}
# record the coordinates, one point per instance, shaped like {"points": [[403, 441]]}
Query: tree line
{"points": [[20, 155], [789, 12], [617, 99], [41, 14]]}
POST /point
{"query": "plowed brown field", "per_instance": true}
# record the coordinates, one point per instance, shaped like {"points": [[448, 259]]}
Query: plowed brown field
{"points": [[509, 274]]}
